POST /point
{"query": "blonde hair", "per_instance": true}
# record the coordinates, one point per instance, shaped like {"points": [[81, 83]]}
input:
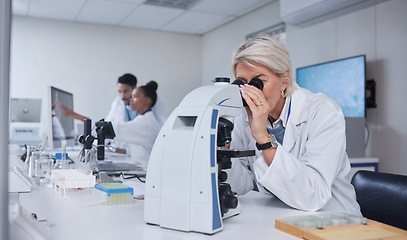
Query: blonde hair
{"points": [[269, 53]]}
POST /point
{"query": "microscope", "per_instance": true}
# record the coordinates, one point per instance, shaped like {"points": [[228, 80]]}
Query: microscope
{"points": [[104, 130], [186, 186]]}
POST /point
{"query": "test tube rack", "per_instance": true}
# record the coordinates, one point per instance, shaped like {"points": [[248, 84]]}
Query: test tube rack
{"points": [[64, 179]]}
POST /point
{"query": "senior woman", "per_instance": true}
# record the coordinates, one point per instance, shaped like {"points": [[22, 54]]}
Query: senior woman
{"points": [[299, 136]]}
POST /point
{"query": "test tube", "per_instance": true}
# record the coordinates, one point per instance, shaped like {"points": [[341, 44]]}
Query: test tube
{"points": [[63, 145], [64, 157], [61, 160]]}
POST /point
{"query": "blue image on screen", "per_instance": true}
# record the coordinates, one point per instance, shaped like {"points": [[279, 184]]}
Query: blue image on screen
{"points": [[342, 80]]}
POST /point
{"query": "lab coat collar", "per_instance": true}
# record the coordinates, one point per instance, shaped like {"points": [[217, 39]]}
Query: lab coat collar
{"points": [[297, 116]]}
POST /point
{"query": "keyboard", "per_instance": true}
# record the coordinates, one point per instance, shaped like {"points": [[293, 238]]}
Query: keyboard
{"points": [[118, 167]]}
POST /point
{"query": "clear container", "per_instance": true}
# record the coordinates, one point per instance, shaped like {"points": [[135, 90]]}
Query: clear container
{"points": [[61, 161], [61, 158], [43, 167], [32, 155]]}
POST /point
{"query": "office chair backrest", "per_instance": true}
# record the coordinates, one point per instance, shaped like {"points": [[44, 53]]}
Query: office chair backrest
{"points": [[382, 197]]}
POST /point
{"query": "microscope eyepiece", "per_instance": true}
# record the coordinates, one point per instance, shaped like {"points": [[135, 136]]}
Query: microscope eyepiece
{"points": [[257, 83], [222, 79], [238, 82], [254, 82]]}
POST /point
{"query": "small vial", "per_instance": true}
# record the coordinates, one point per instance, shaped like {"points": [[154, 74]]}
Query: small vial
{"points": [[61, 159], [63, 145]]}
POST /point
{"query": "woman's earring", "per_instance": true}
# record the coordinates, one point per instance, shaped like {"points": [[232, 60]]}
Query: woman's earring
{"points": [[282, 92]]}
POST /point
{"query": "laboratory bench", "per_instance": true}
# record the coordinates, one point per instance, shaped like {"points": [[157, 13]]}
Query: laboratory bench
{"points": [[58, 219]]}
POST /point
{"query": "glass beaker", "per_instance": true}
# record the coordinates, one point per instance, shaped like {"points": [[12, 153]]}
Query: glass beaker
{"points": [[43, 167], [32, 155]]}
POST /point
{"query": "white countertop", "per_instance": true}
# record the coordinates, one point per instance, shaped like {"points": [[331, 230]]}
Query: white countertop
{"points": [[255, 221]]}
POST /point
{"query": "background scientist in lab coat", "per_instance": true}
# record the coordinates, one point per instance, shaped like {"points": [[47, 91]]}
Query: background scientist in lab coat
{"points": [[142, 131], [120, 110], [299, 136]]}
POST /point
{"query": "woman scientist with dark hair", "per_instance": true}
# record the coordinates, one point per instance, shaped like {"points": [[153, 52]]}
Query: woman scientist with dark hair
{"points": [[142, 131], [299, 136]]}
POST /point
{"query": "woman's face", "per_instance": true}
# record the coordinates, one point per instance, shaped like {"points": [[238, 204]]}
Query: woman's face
{"points": [[138, 100], [273, 85]]}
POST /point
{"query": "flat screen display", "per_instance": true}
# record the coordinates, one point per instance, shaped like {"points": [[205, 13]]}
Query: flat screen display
{"points": [[342, 80], [25, 110], [61, 127]]}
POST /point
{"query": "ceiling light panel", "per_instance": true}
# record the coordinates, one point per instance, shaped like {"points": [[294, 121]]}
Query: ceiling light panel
{"points": [[151, 17], [180, 4], [105, 12], [130, 1]]}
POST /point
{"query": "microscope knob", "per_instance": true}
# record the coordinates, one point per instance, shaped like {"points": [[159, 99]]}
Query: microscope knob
{"points": [[231, 202], [223, 176], [82, 139], [227, 198]]}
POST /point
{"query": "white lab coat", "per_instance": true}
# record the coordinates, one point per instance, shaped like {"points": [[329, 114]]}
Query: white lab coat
{"points": [[310, 170], [58, 132], [117, 111], [140, 133]]}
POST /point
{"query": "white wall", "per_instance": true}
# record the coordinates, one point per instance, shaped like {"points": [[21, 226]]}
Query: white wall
{"points": [[87, 59], [218, 45], [377, 31]]}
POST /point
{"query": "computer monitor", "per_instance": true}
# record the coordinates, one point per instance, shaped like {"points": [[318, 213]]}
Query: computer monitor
{"points": [[25, 121], [343, 80], [60, 127], [25, 110]]}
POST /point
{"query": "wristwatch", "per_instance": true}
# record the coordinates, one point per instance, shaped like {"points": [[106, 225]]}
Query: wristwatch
{"points": [[111, 148], [272, 143]]}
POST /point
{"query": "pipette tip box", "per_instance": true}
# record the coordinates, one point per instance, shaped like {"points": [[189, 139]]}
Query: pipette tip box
{"points": [[116, 193]]}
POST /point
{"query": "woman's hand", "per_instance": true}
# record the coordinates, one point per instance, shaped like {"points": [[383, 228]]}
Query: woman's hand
{"points": [[257, 111]]}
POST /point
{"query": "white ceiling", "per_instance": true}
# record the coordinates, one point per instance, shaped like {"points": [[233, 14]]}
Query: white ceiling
{"points": [[202, 17]]}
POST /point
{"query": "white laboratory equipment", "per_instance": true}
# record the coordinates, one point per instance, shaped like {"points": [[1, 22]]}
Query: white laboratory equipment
{"points": [[185, 185]]}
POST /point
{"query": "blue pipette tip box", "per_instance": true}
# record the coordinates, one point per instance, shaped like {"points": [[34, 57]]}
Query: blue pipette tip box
{"points": [[116, 193], [59, 155]]}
